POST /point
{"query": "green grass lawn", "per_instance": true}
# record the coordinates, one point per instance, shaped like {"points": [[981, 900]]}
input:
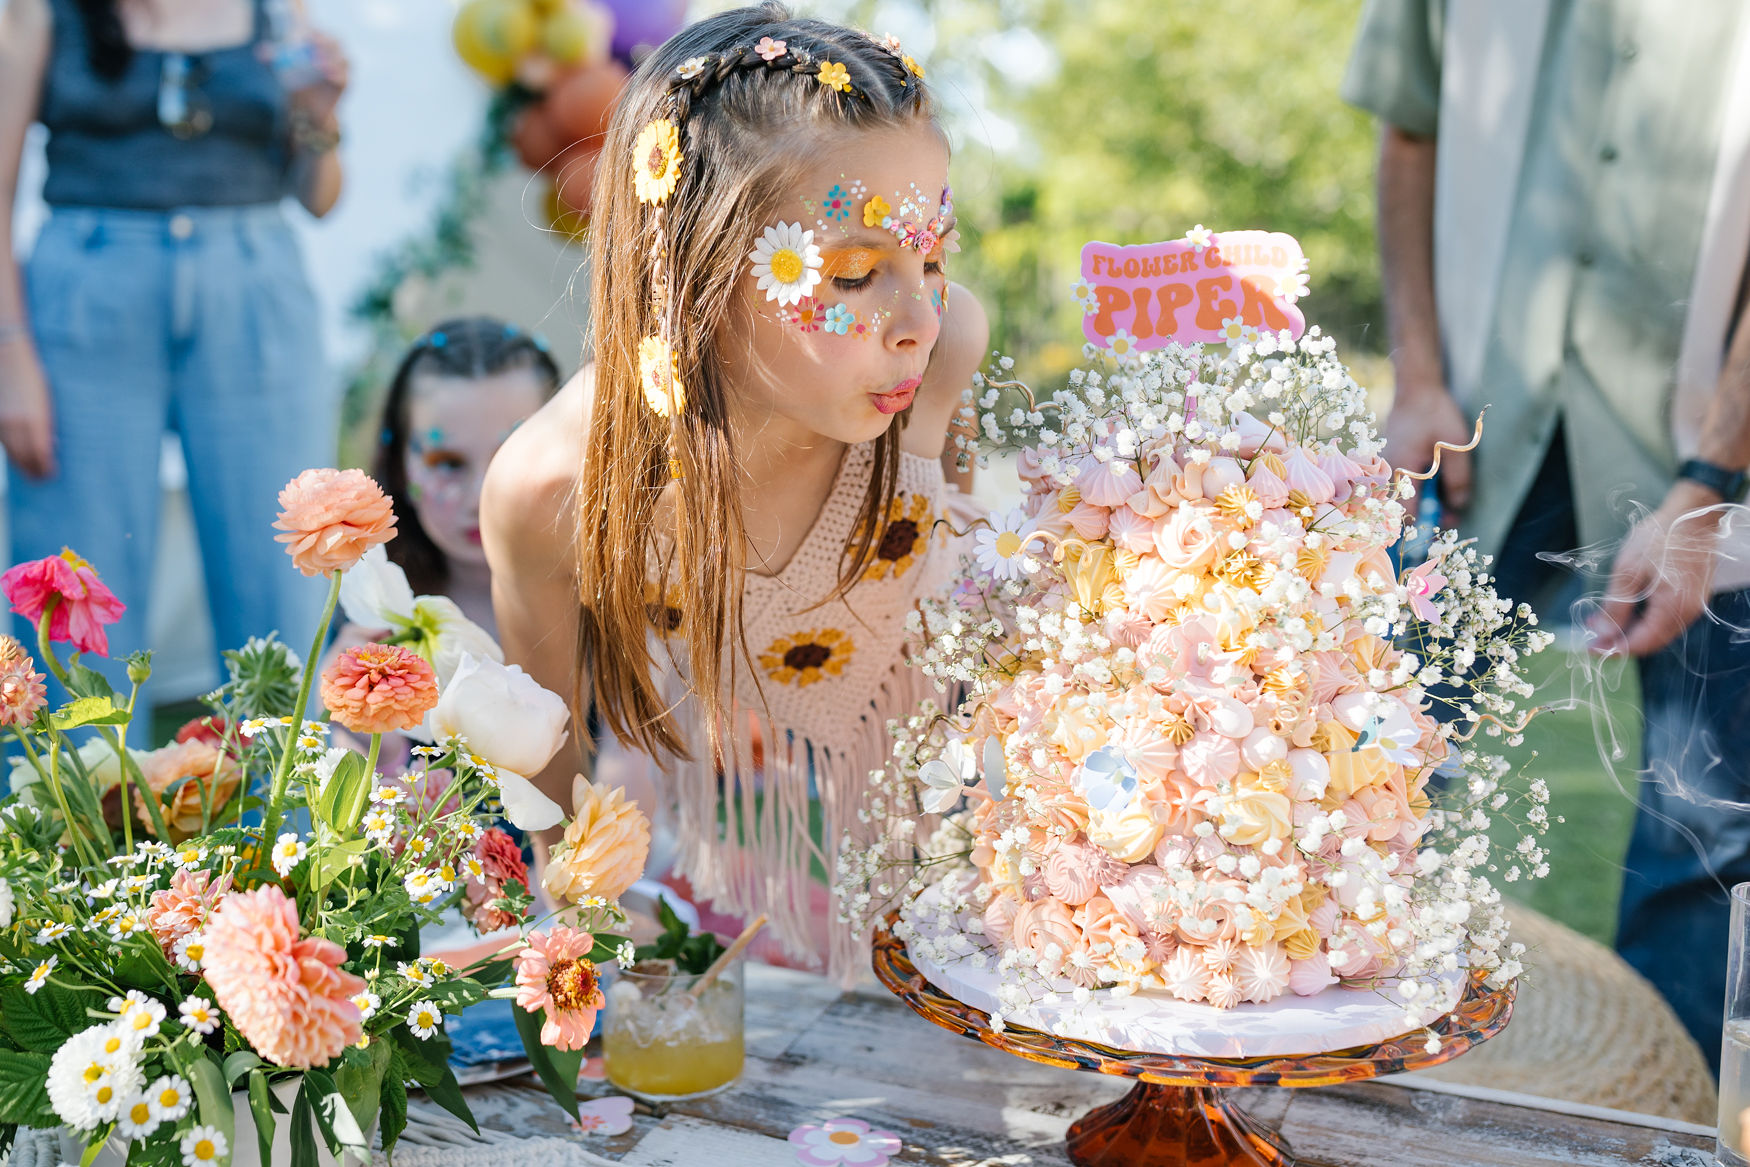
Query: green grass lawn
{"points": [[1595, 799]]}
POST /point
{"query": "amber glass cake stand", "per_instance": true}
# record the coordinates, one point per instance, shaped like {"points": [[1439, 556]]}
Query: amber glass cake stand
{"points": [[1180, 1114]]}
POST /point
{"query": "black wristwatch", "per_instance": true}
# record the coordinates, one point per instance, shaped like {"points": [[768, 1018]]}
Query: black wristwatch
{"points": [[1728, 484]]}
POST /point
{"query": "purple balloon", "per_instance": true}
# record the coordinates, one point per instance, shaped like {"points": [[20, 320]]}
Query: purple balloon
{"points": [[645, 23]]}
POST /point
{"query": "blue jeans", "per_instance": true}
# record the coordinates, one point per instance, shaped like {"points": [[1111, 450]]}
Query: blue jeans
{"points": [[202, 322], [1691, 839]]}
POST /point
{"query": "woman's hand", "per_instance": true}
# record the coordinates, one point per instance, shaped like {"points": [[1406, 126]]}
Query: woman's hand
{"points": [[317, 100], [26, 416]]}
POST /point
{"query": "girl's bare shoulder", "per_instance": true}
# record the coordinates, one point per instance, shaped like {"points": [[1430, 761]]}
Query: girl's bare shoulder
{"points": [[527, 501]]}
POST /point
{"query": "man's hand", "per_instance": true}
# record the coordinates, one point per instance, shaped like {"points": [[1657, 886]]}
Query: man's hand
{"points": [[1422, 414], [1663, 575]]}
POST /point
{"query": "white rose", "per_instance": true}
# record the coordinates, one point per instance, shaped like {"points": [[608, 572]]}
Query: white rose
{"points": [[6, 902], [510, 721], [374, 593]]}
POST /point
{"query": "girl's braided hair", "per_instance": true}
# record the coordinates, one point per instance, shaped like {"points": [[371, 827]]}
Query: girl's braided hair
{"points": [[713, 130]]}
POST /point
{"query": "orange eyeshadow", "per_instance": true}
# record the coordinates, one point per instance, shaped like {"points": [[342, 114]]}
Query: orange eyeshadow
{"points": [[850, 263]]}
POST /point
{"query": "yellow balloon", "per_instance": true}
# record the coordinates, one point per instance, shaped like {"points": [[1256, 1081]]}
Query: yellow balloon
{"points": [[566, 36], [492, 36]]}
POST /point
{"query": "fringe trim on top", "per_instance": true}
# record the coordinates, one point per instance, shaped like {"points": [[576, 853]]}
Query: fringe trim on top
{"points": [[765, 867]]}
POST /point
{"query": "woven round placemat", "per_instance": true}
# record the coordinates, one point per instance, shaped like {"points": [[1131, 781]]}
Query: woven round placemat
{"points": [[1588, 1028]]}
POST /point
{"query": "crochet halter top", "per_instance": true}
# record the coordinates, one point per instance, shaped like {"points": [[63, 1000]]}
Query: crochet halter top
{"points": [[831, 675]]}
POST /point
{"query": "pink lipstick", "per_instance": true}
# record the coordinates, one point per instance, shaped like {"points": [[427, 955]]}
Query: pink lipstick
{"points": [[898, 397]]}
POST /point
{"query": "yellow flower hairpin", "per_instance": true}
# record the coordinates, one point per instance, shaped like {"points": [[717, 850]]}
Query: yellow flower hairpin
{"points": [[656, 161], [834, 76]]}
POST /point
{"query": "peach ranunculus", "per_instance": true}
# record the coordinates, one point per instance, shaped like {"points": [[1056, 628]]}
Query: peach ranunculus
{"points": [[330, 518], [555, 973], [21, 687], [1047, 927], [287, 995], [376, 688], [182, 908], [606, 845], [205, 767]]}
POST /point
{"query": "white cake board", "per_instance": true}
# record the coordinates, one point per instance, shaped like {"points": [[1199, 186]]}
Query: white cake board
{"points": [[1156, 1022]]}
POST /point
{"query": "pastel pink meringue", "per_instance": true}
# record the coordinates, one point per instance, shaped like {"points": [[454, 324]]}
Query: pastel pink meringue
{"points": [[999, 918], [1126, 628], [1261, 747], [1047, 928], [1271, 490], [1075, 872], [1209, 758], [1131, 531], [1342, 471], [1310, 977], [1262, 973], [1134, 895], [1305, 478], [1221, 955], [1186, 976], [1108, 483], [1088, 520], [1224, 991], [1148, 589]]}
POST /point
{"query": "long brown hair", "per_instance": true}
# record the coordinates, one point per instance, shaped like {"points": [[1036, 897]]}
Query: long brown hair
{"points": [[748, 129]]}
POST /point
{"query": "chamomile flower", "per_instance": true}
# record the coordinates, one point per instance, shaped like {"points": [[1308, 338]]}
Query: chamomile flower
{"points": [[136, 1119], [124, 925], [53, 932], [170, 1096], [198, 1014], [388, 795], [414, 972], [288, 852], [418, 846], [424, 1019], [1002, 547], [191, 952], [39, 977], [378, 826], [368, 1003], [137, 1013], [203, 1145], [376, 940], [787, 263], [91, 1075]]}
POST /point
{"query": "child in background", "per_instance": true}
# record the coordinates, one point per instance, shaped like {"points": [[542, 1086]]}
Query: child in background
{"points": [[746, 495]]}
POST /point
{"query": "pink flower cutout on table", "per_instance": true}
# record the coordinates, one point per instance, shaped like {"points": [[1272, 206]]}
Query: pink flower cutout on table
{"points": [[843, 1140], [1423, 584], [591, 1071], [604, 1116]]}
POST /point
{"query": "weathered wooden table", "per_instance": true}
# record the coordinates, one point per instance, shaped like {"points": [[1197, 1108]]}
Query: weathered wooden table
{"points": [[815, 1053]]}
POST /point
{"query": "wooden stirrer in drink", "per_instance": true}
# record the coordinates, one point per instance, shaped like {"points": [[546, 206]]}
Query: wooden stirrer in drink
{"points": [[729, 954]]}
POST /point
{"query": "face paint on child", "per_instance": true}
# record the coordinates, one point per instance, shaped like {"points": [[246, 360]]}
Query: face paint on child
{"points": [[455, 426]]}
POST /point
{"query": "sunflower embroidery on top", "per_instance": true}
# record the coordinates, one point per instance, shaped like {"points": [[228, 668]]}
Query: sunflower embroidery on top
{"points": [[806, 657], [904, 536]]}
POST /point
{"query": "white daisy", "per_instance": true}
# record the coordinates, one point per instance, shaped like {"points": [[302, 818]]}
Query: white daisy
{"points": [[418, 846], [171, 1097], [7, 901], [424, 1018], [1292, 286], [376, 940], [475, 869], [787, 263], [1233, 330], [1002, 548], [388, 795], [1082, 292], [53, 932], [91, 1076], [1121, 344], [288, 852], [378, 826], [41, 975], [468, 831], [414, 972], [191, 952], [189, 855], [1199, 237], [137, 1013], [136, 1119], [199, 1015], [124, 925], [203, 1144], [368, 1003]]}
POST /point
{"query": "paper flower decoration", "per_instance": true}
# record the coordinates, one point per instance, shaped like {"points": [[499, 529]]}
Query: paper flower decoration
{"points": [[660, 377], [843, 1140], [656, 161], [834, 76], [1199, 237], [692, 67], [875, 211], [944, 778], [604, 1116], [769, 49], [787, 263]]}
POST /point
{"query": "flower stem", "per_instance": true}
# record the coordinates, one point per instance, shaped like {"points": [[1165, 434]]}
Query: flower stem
{"points": [[53, 781], [270, 821]]}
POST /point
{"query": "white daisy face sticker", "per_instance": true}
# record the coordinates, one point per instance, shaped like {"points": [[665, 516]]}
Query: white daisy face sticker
{"points": [[786, 263]]}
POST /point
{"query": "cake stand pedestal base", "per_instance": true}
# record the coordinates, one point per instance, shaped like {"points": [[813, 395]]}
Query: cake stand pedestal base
{"points": [[1173, 1126]]}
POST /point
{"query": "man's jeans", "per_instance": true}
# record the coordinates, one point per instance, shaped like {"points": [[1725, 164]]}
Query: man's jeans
{"points": [[1691, 838]]}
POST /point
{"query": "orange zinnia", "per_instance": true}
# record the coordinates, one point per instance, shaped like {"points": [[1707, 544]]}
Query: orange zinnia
{"points": [[376, 688]]}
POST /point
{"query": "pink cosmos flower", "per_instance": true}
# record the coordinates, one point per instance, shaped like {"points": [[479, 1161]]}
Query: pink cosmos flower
{"points": [[553, 973], [1423, 584], [287, 995], [86, 605]]}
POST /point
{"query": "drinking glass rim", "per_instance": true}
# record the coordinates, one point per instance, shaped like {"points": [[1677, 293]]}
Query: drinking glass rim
{"points": [[686, 978], [1741, 892]]}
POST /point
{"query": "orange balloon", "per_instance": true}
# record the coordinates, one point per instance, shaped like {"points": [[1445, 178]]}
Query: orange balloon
{"points": [[571, 226], [574, 176], [534, 137], [582, 102]]}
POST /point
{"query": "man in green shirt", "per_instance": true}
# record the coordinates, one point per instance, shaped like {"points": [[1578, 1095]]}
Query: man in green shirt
{"points": [[1564, 220]]}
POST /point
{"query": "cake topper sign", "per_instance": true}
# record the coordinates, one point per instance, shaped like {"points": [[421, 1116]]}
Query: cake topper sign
{"points": [[1204, 287]]}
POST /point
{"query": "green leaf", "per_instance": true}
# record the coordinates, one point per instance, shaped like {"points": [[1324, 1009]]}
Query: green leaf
{"points": [[394, 1109], [334, 1118], [84, 681], [343, 800], [261, 1102], [447, 1093], [606, 945], [549, 1063], [337, 859], [24, 1091], [42, 1021], [84, 711], [303, 1129], [213, 1094], [360, 1079], [239, 1064], [454, 996]]}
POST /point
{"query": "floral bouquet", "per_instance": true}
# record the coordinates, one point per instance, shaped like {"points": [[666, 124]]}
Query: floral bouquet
{"points": [[1212, 744], [233, 921]]}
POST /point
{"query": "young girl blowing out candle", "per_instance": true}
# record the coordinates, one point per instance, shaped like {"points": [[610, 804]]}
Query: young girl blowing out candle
{"points": [[715, 540]]}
